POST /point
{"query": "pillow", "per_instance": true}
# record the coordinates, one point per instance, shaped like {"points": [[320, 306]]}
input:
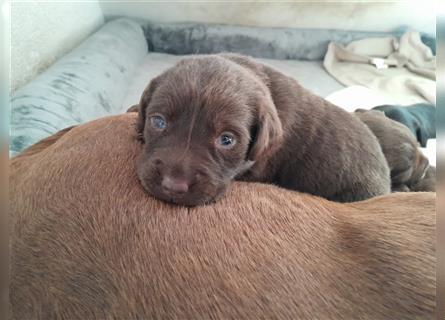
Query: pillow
{"points": [[260, 42], [88, 83]]}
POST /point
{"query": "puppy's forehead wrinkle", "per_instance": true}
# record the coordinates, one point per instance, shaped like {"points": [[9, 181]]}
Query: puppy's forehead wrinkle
{"points": [[216, 95], [218, 86], [220, 76], [189, 136]]}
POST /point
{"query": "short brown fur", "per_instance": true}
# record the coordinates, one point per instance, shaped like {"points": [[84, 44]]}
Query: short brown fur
{"points": [[88, 243]]}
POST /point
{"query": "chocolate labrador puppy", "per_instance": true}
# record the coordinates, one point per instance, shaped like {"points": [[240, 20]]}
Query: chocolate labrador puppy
{"points": [[420, 118], [407, 163], [214, 118]]}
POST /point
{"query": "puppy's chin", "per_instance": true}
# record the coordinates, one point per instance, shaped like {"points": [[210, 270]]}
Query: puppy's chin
{"points": [[202, 194], [189, 200]]}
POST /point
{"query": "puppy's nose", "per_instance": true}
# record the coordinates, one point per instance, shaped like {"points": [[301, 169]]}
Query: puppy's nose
{"points": [[174, 185]]}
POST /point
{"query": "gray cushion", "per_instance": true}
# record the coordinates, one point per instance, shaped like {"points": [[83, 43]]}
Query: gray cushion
{"points": [[272, 43], [87, 83]]}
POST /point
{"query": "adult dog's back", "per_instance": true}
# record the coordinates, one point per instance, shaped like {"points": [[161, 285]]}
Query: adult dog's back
{"points": [[88, 242]]}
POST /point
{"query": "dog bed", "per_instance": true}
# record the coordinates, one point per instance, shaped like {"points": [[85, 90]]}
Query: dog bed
{"points": [[108, 71]]}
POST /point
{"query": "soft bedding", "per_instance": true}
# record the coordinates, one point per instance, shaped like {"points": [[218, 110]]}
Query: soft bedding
{"points": [[107, 73], [88, 83], [403, 70]]}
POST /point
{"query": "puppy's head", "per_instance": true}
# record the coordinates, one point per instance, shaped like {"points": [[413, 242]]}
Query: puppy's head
{"points": [[203, 122]]}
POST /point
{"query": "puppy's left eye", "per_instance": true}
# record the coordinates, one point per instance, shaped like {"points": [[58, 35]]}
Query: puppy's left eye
{"points": [[158, 122], [226, 140]]}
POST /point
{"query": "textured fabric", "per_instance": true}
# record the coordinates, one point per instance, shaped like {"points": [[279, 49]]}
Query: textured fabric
{"points": [[357, 97], [310, 74], [88, 83], [108, 72], [402, 69], [272, 43]]}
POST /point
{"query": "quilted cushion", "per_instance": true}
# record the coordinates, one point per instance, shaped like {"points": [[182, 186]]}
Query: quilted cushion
{"points": [[87, 83]]}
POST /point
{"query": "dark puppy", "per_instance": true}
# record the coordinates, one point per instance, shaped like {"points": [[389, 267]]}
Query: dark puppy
{"points": [[407, 163], [213, 118], [420, 118]]}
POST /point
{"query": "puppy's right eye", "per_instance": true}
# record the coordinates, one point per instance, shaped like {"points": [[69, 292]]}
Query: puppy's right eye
{"points": [[158, 122], [226, 140]]}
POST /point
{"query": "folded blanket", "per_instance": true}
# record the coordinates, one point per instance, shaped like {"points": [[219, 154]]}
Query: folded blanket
{"points": [[402, 70]]}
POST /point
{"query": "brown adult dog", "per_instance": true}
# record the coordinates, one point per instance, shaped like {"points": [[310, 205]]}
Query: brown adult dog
{"points": [[88, 243], [407, 163], [212, 118]]}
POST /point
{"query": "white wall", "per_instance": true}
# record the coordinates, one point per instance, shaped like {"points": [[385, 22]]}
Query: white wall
{"points": [[41, 32], [321, 14]]}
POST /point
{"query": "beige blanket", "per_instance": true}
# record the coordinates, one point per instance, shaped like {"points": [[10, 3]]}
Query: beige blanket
{"points": [[403, 70]]}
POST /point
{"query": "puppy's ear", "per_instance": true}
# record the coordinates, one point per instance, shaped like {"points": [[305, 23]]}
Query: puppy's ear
{"points": [[267, 132], [143, 104], [133, 108]]}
